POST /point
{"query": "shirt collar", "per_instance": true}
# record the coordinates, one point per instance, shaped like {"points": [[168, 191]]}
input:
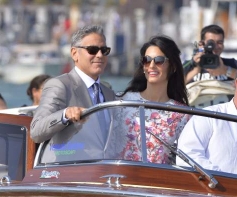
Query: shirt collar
{"points": [[87, 80]]}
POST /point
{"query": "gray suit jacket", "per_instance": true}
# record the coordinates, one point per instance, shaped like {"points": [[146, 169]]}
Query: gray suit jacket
{"points": [[59, 93]]}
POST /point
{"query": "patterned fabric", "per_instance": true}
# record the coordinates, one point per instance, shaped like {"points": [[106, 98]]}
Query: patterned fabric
{"points": [[167, 124], [96, 93]]}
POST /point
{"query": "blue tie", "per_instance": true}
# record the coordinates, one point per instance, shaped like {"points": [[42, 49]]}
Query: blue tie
{"points": [[101, 114], [96, 89]]}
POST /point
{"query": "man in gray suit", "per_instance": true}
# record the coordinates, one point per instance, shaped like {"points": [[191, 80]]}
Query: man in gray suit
{"points": [[64, 97]]}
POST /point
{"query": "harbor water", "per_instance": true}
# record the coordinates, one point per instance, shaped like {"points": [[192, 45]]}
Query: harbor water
{"points": [[16, 96]]}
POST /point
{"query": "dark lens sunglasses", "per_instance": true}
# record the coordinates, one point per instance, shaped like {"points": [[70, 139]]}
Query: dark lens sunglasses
{"points": [[159, 60], [93, 50]]}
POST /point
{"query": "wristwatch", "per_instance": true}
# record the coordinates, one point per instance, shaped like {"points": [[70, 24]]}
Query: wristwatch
{"points": [[229, 71]]}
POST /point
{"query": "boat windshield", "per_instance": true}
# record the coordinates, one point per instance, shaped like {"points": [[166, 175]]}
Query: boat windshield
{"points": [[116, 132], [12, 151], [126, 131]]}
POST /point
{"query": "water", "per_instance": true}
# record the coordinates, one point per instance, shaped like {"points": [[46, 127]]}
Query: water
{"points": [[16, 96]]}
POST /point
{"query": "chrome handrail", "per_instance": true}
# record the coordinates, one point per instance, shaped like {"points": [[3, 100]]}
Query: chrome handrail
{"points": [[159, 106]]}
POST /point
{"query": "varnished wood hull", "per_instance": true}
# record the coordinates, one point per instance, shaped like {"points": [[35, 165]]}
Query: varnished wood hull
{"points": [[85, 180]]}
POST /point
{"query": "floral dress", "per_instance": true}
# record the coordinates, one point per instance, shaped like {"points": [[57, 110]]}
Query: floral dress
{"points": [[167, 124]]}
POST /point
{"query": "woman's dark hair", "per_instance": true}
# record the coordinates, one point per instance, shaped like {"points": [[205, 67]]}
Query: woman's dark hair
{"points": [[1, 97], [176, 88], [3, 100], [36, 83]]}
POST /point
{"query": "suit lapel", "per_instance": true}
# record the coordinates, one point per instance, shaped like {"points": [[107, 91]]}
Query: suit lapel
{"points": [[107, 93], [80, 90], [84, 100]]}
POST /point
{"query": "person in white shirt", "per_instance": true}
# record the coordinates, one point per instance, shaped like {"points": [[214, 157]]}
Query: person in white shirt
{"points": [[211, 142]]}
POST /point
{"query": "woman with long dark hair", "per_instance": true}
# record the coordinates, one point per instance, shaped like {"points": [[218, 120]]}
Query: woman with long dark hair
{"points": [[159, 78]]}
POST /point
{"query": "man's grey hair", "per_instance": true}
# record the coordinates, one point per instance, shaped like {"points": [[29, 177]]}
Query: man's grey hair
{"points": [[84, 31]]}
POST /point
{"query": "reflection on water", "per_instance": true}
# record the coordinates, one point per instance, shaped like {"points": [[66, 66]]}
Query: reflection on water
{"points": [[15, 94], [117, 83]]}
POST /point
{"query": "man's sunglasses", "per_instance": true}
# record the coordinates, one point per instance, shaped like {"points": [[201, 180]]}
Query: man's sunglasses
{"points": [[93, 50], [158, 60]]}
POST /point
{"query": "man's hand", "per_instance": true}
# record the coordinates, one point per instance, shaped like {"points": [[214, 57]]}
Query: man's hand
{"points": [[196, 61], [73, 113], [197, 58], [199, 53]]}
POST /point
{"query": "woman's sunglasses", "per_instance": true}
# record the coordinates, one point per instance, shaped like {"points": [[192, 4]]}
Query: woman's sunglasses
{"points": [[93, 50], [158, 60]]}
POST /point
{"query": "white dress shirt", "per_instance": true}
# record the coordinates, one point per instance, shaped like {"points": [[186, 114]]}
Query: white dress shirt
{"points": [[210, 142], [89, 83]]}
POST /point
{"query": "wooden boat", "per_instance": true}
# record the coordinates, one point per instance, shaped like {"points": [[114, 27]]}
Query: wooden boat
{"points": [[67, 169]]}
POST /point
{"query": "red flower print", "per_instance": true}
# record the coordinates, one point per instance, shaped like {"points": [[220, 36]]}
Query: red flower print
{"points": [[171, 133], [128, 121], [130, 129], [164, 123], [155, 115], [136, 157], [150, 145], [136, 127]]}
